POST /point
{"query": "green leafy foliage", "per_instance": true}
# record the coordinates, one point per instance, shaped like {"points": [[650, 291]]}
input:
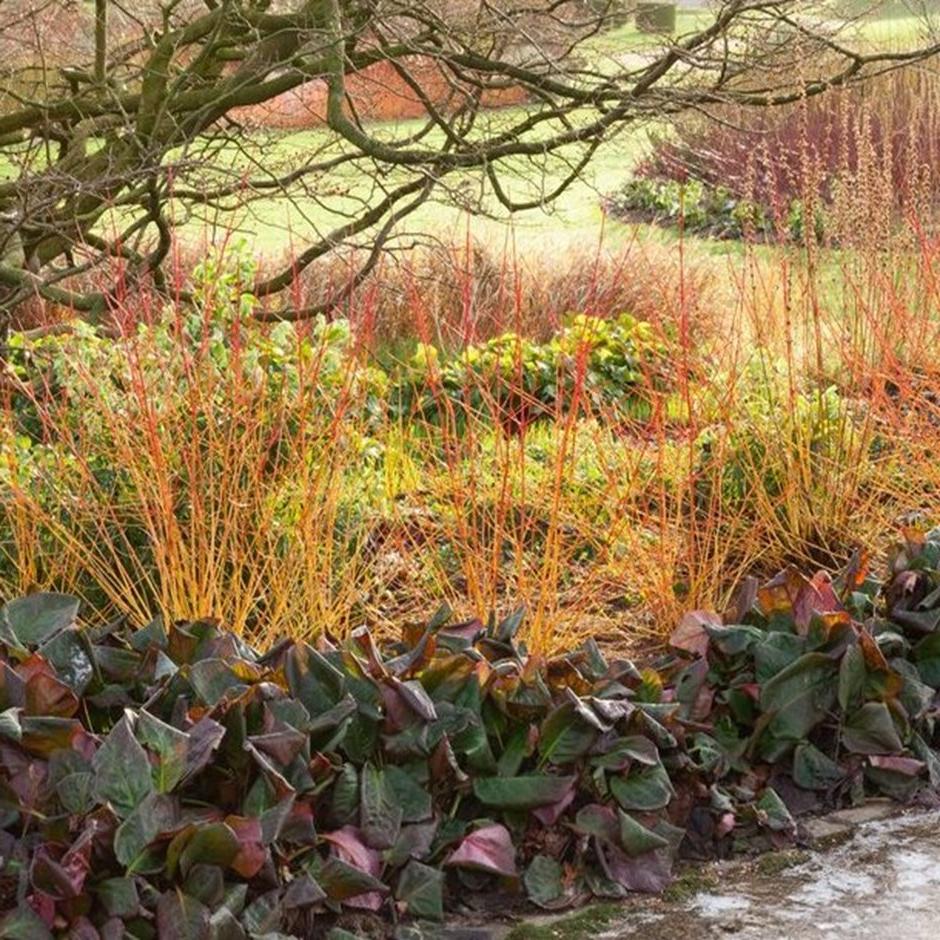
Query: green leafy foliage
{"points": [[710, 210], [761, 448], [591, 363], [240, 794]]}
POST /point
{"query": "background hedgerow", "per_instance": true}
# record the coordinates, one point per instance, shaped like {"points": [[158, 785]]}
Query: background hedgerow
{"points": [[452, 294]]}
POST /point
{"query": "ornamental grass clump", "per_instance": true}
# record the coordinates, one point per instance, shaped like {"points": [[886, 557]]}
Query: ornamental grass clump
{"points": [[190, 459], [169, 780]]}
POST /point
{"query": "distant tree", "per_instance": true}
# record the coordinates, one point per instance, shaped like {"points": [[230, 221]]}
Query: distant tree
{"points": [[120, 122]]}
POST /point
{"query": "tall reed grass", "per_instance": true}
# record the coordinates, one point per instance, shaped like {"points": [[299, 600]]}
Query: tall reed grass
{"points": [[196, 462]]}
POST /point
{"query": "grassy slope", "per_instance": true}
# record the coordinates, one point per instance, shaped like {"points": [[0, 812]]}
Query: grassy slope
{"points": [[272, 227]]}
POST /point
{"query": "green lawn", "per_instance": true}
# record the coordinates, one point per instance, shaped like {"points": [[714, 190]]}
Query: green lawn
{"points": [[904, 31], [273, 225], [628, 38]]}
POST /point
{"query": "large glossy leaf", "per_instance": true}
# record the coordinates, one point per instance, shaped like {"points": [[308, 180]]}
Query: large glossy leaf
{"points": [[773, 812], [918, 621], [349, 845], [12, 688], [204, 738], [153, 634], [77, 792], [180, 917], [549, 815], [42, 736], [56, 879], [252, 854], [263, 916], [344, 882], [852, 675], [420, 890], [22, 923], [70, 653], [34, 619], [542, 880], [734, 640], [344, 805], [408, 793], [488, 849], [119, 896], [526, 792], [224, 926], [599, 821], [380, 814], [518, 748], [802, 599], [799, 697], [814, 770], [156, 814], [506, 631], [303, 892], [313, 679], [927, 659], [565, 736], [691, 634], [283, 746], [213, 678], [915, 695], [871, 730], [636, 839], [215, 844], [622, 752], [10, 725], [169, 744], [648, 873], [897, 777], [642, 790], [122, 771], [775, 652], [47, 696]]}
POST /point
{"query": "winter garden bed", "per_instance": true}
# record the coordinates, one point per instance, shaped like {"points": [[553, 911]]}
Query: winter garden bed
{"points": [[172, 781]]}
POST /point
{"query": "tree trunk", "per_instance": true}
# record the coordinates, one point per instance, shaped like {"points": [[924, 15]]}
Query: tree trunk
{"points": [[101, 40]]}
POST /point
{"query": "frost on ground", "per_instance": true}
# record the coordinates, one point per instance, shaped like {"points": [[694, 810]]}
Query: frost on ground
{"points": [[885, 880]]}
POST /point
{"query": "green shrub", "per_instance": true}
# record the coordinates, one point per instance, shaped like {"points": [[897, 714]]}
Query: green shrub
{"points": [[714, 211], [769, 441], [608, 366]]}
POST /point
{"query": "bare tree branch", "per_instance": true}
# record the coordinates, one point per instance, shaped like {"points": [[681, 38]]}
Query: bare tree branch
{"points": [[145, 120]]}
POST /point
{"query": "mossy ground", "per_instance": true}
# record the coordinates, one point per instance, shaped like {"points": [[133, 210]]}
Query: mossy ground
{"points": [[595, 919], [583, 923]]}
